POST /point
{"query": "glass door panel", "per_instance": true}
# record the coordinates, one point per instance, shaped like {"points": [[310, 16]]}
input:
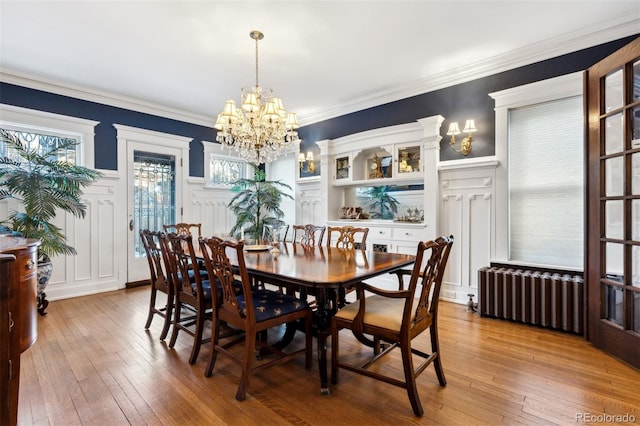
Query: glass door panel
{"points": [[635, 173], [636, 80], [614, 219], [613, 91], [613, 134], [613, 177]]}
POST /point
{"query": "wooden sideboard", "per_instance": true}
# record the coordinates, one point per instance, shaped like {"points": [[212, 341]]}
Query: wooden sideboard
{"points": [[18, 317]]}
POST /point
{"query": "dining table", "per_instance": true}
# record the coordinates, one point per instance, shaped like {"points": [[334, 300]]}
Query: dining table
{"points": [[323, 272]]}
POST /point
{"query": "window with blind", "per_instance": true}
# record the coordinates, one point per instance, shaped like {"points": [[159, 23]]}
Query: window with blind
{"points": [[546, 181]]}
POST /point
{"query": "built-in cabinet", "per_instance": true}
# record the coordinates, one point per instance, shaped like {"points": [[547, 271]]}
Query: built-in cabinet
{"points": [[402, 157]]}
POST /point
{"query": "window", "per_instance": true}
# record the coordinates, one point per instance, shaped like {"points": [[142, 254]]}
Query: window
{"points": [[42, 129], [546, 182], [221, 169], [42, 143], [540, 179]]}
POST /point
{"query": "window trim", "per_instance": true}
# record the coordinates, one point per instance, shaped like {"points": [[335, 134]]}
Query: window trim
{"points": [[542, 91], [24, 119]]}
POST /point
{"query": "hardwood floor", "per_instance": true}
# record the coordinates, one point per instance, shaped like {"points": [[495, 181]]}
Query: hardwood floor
{"points": [[94, 364]]}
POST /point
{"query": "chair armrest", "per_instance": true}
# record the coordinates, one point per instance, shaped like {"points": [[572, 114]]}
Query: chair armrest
{"points": [[401, 273], [362, 287]]}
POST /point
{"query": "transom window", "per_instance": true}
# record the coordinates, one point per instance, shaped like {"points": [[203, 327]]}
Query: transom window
{"points": [[43, 143], [225, 171]]}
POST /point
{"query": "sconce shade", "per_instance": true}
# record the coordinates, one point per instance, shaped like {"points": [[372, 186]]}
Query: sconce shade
{"points": [[309, 156], [301, 158], [469, 126], [453, 129]]}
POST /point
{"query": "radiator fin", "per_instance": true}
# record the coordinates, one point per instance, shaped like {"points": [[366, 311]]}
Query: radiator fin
{"points": [[546, 299]]}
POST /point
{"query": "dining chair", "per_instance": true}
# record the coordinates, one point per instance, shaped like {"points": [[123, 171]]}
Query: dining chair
{"points": [[349, 237], [192, 290], [158, 279], [254, 311], [309, 234], [275, 225], [397, 317], [184, 228]]}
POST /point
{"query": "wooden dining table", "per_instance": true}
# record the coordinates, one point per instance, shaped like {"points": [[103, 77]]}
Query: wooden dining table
{"points": [[323, 271]]}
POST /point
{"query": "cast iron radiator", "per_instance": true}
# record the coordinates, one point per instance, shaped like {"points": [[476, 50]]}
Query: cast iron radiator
{"points": [[548, 299]]}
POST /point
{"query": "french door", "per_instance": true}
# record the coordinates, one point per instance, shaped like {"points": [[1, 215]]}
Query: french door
{"points": [[612, 244], [153, 191]]}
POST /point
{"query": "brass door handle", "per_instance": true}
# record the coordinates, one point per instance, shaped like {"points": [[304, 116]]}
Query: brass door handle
{"points": [[131, 225]]}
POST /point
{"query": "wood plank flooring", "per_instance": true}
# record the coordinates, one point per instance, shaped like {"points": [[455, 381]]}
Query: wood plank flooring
{"points": [[94, 364]]}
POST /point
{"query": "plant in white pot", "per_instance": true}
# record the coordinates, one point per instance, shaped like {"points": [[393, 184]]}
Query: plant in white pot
{"points": [[45, 185]]}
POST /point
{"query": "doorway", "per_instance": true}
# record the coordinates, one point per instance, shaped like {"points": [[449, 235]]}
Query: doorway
{"points": [[612, 235], [154, 191]]}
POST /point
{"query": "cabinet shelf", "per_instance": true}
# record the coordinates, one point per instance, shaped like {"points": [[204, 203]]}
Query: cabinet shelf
{"points": [[380, 182]]}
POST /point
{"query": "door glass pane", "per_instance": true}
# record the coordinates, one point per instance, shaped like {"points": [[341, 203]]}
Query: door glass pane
{"points": [[636, 312], [613, 305], [635, 173], [635, 220], [613, 134], [613, 91], [153, 194], [636, 80], [614, 185], [614, 262], [635, 266], [635, 127], [614, 219]]}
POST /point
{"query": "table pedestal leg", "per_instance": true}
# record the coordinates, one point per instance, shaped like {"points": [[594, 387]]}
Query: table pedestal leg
{"points": [[322, 319]]}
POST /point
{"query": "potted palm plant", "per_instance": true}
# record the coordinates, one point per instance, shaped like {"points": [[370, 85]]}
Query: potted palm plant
{"points": [[384, 205], [45, 185], [255, 202]]}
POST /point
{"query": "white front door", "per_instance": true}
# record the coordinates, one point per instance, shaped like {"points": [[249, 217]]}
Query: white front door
{"points": [[154, 193]]}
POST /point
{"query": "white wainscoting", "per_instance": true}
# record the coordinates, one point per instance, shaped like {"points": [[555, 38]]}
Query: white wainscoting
{"points": [[208, 206], [95, 268], [467, 211]]}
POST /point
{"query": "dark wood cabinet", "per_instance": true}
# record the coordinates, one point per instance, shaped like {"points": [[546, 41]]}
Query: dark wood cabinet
{"points": [[18, 317]]}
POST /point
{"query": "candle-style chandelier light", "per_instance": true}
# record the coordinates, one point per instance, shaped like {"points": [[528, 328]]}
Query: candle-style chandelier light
{"points": [[261, 129]]}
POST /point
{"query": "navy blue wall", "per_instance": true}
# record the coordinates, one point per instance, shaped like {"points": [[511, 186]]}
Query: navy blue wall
{"points": [[105, 137], [455, 103]]}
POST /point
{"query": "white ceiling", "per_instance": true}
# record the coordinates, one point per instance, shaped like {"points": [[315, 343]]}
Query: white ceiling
{"points": [[323, 58]]}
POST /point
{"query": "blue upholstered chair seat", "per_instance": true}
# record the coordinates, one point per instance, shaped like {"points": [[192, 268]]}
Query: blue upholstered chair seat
{"points": [[270, 304], [206, 287]]}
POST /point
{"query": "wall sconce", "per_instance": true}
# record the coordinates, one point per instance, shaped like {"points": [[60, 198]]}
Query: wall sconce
{"points": [[465, 144], [307, 161]]}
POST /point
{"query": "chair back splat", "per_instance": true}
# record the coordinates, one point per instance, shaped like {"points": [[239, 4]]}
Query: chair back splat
{"points": [[251, 310], [184, 229], [310, 234], [349, 237], [397, 317]]}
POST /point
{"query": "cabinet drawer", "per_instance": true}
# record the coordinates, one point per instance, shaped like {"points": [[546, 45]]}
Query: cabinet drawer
{"points": [[413, 234], [377, 233]]}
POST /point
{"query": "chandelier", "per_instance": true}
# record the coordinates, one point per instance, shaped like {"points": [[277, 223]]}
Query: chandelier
{"points": [[261, 129]]}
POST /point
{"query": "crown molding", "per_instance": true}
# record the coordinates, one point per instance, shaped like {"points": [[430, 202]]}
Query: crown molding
{"points": [[547, 49], [551, 48], [101, 97]]}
